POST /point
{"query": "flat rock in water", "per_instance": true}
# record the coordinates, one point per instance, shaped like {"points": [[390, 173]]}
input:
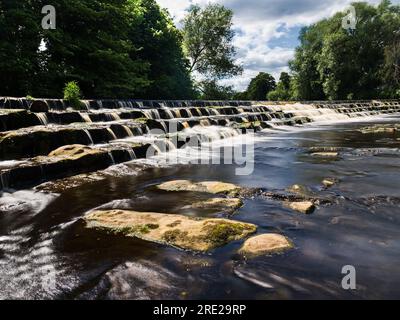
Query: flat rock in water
{"points": [[74, 151], [213, 187], [325, 154], [223, 204], [180, 231], [329, 182], [265, 244], [305, 207]]}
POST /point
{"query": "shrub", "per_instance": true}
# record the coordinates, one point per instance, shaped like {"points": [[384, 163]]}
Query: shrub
{"points": [[72, 94]]}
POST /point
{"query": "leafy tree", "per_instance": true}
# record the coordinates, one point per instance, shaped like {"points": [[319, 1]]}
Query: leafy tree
{"points": [[91, 45], [207, 41], [333, 63], [211, 90], [283, 89], [260, 86], [159, 43], [19, 43]]}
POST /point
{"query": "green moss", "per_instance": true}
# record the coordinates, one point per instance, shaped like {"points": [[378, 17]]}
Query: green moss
{"points": [[173, 236], [174, 224], [139, 229], [142, 120], [221, 233]]}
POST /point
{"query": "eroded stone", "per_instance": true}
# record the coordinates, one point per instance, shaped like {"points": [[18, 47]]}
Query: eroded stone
{"points": [[306, 207], [223, 204], [265, 244], [180, 231], [213, 187]]}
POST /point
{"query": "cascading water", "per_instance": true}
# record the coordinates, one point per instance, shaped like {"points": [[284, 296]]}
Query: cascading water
{"points": [[42, 118]]}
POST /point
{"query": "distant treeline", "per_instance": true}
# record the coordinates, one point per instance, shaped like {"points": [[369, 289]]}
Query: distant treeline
{"points": [[132, 49], [112, 48], [338, 64]]}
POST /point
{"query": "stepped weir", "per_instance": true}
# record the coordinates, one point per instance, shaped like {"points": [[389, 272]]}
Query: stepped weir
{"points": [[55, 141]]}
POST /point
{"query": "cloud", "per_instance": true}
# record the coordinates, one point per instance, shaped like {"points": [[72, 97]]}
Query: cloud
{"points": [[259, 23]]}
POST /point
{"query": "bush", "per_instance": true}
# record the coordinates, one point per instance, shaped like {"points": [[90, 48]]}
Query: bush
{"points": [[72, 94]]}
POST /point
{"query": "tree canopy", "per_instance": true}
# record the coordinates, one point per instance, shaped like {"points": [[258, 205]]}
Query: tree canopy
{"points": [[112, 48], [333, 63], [208, 38], [258, 88]]}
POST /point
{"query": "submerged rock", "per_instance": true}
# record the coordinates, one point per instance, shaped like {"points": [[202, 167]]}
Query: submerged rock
{"points": [[306, 207], [389, 128], [265, 244], [176, 230], [213, 187], [329, 182], [325, 154], [222, 204], [300, 190]]}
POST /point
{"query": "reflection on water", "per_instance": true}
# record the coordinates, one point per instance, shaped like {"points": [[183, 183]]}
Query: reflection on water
{"points": [[46, 253]]}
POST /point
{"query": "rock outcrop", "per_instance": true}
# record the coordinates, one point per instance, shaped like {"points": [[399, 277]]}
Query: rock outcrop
{"points": [[221, 204], [306, 207], [265, 244], [212, 187], [180, 231]]}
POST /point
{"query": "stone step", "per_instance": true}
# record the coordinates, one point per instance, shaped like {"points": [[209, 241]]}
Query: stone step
{"points": [[67, 161]]}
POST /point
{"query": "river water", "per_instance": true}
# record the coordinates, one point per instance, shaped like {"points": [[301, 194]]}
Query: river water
{"points": [[46, 253]]}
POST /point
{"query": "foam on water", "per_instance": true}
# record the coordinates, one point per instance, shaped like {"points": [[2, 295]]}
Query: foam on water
{"points": [[25, 200]]}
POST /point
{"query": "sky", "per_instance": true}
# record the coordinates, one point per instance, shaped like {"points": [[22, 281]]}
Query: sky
{"points": [[266, 30]]}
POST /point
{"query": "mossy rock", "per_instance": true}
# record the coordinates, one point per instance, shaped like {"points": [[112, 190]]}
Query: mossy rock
{"points": [[196, 234], [213, 187]]}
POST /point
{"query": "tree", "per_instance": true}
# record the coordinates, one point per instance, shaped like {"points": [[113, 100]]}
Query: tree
{"points": [[283, 89], [91, 46], [333, 63], [260, 86], [211, 90], [207, 39], [19, 44], [160, 44]]}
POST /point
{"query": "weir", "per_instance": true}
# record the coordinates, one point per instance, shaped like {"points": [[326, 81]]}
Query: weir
{"points": [[109, 132]]}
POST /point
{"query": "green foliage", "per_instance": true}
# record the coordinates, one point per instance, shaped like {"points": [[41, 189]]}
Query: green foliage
{"points": [[208, 36], [72, 94], [283, 89], [19, 41], [260, 86], [113, 48], [211, 90], [333, 63], [160, 44]]}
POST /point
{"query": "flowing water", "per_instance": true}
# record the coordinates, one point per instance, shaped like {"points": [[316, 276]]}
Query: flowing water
{"points": [[46, 253], [360, 229]]}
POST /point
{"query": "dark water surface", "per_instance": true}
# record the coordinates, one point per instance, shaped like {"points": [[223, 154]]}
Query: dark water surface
{"points": [[46, 252]]}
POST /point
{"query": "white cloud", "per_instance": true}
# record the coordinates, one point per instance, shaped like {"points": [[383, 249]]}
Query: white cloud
{"points": [[260, 21]]}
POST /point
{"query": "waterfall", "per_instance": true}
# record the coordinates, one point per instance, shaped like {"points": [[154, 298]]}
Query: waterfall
{"points": [[214, 112], [177, 113], [128, 131], [112, 158], [42, 117], [86, 118], [5, 180], [114, 137], [131, 154], [112, 117], [169, 113], [86, 131]]}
